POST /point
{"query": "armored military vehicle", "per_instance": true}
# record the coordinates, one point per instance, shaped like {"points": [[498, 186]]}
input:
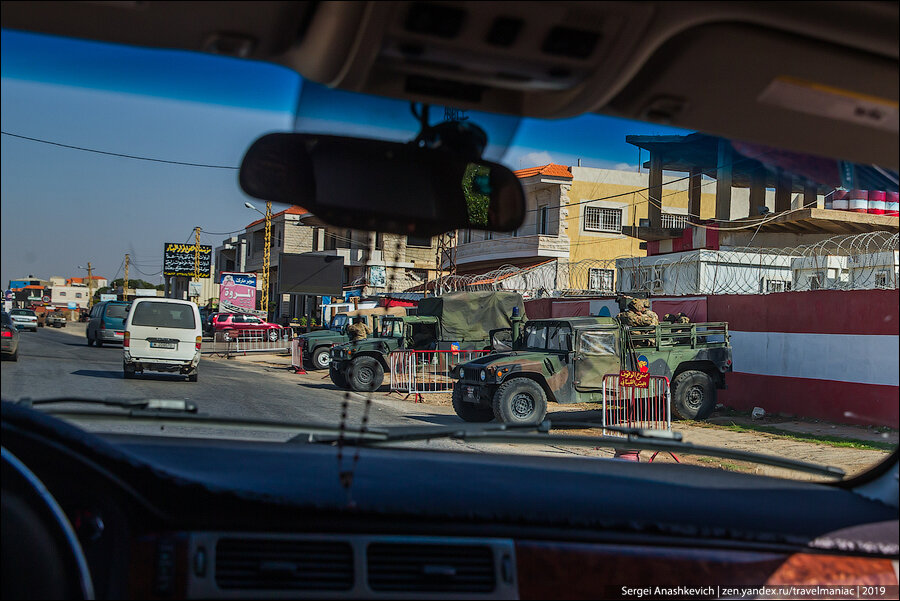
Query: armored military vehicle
{"points": [[458, 321], [316, 346], [564, 360]]}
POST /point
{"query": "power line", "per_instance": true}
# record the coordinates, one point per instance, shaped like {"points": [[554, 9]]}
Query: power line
{"points": [[118, 154]]}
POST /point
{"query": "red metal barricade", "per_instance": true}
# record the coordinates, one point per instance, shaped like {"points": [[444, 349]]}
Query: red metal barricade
{"points": [[425, 372], [627, 406]]}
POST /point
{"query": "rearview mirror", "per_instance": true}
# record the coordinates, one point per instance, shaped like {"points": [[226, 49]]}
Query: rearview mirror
{"points": [[382, 186]]}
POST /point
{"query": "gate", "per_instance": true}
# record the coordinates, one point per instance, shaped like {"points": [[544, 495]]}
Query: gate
{"points": [[628, 406]]}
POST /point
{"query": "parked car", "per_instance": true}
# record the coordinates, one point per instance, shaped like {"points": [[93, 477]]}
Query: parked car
{"points": [[9, 336], [107, 322], [208, 327], [56, 319], [232, 325], [162, 335], [25, 319]]}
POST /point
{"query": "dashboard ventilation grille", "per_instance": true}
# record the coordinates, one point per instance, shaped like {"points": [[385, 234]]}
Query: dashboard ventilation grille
{"points": [[401, 567], [284, 565]]}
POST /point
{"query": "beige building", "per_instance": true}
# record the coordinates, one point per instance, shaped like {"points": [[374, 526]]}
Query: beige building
{"points": [[373, 262]]}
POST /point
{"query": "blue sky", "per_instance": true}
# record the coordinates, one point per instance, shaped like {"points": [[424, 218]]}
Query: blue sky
{"points": [[62, 208]]}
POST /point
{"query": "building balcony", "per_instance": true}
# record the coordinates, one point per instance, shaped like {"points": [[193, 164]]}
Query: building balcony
{"points": [[511, 249]]}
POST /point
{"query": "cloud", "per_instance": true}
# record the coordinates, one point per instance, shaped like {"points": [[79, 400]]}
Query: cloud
{"points": [[535, 159]]}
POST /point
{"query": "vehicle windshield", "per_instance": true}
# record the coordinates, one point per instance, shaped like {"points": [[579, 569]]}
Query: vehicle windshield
{"points": [[391, 328], [760, 287]]}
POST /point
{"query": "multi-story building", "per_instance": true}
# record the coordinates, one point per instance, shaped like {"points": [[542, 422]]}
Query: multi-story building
{"points": [[373, 262]]}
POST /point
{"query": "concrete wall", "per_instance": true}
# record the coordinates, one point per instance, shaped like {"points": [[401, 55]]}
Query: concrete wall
{"points": [[826, 354]]}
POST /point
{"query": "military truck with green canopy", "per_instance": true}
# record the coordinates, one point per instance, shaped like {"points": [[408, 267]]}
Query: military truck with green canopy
{"points": [[457, 321], [564, 360]]}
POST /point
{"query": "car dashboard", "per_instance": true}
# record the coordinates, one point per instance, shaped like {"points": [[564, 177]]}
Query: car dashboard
{"points": [[160, 517]]}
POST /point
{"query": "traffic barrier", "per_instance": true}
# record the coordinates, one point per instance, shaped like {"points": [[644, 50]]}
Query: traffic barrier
{"points": [[632, 407], [627, 406], [876, 202], [425, 372], [891, 205], [232, 342], [858, 201], [297, 356]]}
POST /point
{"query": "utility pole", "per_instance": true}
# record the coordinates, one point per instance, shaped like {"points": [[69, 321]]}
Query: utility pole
{"points": [[445, 252], [125, 287], [90, 271], [267, 255]]}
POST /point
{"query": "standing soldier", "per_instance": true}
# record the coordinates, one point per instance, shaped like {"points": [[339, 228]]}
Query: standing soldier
{"points": [[358, 330]]}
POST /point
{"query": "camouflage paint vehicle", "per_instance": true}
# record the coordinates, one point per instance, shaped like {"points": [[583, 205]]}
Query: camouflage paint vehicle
{"points": [[458, 321], [316, 346], [564, 361]]}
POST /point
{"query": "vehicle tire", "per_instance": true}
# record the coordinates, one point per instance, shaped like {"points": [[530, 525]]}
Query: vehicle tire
{"points": [[99, 342], [192, 377], [128, 371], [15, 355], [34, 329], [226, 335], [321, 358], [693, 395], [520, 401], [338, 377], [272, 335], [470, 412], [365, 374]]}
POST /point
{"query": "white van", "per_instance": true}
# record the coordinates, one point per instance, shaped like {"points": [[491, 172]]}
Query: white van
{"points": [[162, 334]]}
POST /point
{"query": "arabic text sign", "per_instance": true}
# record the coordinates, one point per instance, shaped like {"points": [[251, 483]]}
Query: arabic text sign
{"points": [[178, 260], [238, 289], [634, 379], [107, 297]]}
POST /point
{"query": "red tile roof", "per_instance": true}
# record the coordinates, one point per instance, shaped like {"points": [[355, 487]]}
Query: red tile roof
{"points": [[551, 170], [294, 210]]}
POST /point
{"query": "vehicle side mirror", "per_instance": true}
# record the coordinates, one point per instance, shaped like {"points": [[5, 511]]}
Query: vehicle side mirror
{"points": [[383, 186]]}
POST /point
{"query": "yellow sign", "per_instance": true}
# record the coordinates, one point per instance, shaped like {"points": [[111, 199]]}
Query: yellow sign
{"points": [[634, 379]]}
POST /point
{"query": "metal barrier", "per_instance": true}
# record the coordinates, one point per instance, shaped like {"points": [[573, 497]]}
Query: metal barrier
{"points": [[424, 372], [632, 407], [232, 342]]}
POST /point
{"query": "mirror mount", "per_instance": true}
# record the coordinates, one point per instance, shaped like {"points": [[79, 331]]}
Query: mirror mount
{"points": [[463, 139]]}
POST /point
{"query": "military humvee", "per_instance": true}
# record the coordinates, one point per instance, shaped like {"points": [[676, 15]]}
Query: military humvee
{"points": [[564, 360], [316, 345], [458, 321]]}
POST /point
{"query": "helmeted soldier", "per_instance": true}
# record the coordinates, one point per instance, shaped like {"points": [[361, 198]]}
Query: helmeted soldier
{"points": [[358, 330]]}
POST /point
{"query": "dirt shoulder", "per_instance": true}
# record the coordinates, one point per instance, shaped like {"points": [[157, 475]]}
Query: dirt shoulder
{"points": [[851, 448]]}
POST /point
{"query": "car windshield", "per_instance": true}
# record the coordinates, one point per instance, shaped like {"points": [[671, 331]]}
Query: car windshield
{"points": [[391, 328], [758, 286]]}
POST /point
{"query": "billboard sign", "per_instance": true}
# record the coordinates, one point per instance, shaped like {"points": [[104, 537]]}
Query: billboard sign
{"points": [[178, 260], [195, 288], [237, 290], [377, 276], [309, 273], [107, 297]]}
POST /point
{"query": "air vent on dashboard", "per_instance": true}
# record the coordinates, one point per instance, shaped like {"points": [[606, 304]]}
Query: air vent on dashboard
{"points": [[284, 564], [403, 567]]}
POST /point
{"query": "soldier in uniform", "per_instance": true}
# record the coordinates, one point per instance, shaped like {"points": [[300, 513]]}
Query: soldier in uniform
{"points": [[638, 314], [358, 330]]}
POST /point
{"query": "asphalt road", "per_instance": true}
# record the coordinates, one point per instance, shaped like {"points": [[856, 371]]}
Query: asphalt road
{"points": [[55, 363]]}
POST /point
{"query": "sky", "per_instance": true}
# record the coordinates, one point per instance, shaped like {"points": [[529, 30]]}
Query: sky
{"points": [[61, 208]]}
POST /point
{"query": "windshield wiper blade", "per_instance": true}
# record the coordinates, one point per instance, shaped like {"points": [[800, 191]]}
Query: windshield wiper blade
{"points": [[155, 410], [173, 405], [636, 438]]}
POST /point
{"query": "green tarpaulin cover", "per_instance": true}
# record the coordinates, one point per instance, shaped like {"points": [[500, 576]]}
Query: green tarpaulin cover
{"points": [[471, 315]]}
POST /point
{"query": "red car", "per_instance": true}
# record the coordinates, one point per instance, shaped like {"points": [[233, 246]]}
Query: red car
{"points": [[233, 325]]}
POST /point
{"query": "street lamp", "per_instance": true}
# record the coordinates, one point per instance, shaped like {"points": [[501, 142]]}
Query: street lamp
{"points": [[266, 252]]}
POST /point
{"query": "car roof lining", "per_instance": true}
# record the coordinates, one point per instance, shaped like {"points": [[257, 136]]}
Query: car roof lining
{"points": [[643, 51]]}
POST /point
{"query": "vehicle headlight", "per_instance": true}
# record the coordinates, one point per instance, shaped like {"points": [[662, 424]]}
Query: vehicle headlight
{"points": [[483, 375]]}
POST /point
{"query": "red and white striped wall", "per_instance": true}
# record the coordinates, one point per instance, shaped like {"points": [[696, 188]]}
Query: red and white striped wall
{"points": [[692, 238], [824, 354]]}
